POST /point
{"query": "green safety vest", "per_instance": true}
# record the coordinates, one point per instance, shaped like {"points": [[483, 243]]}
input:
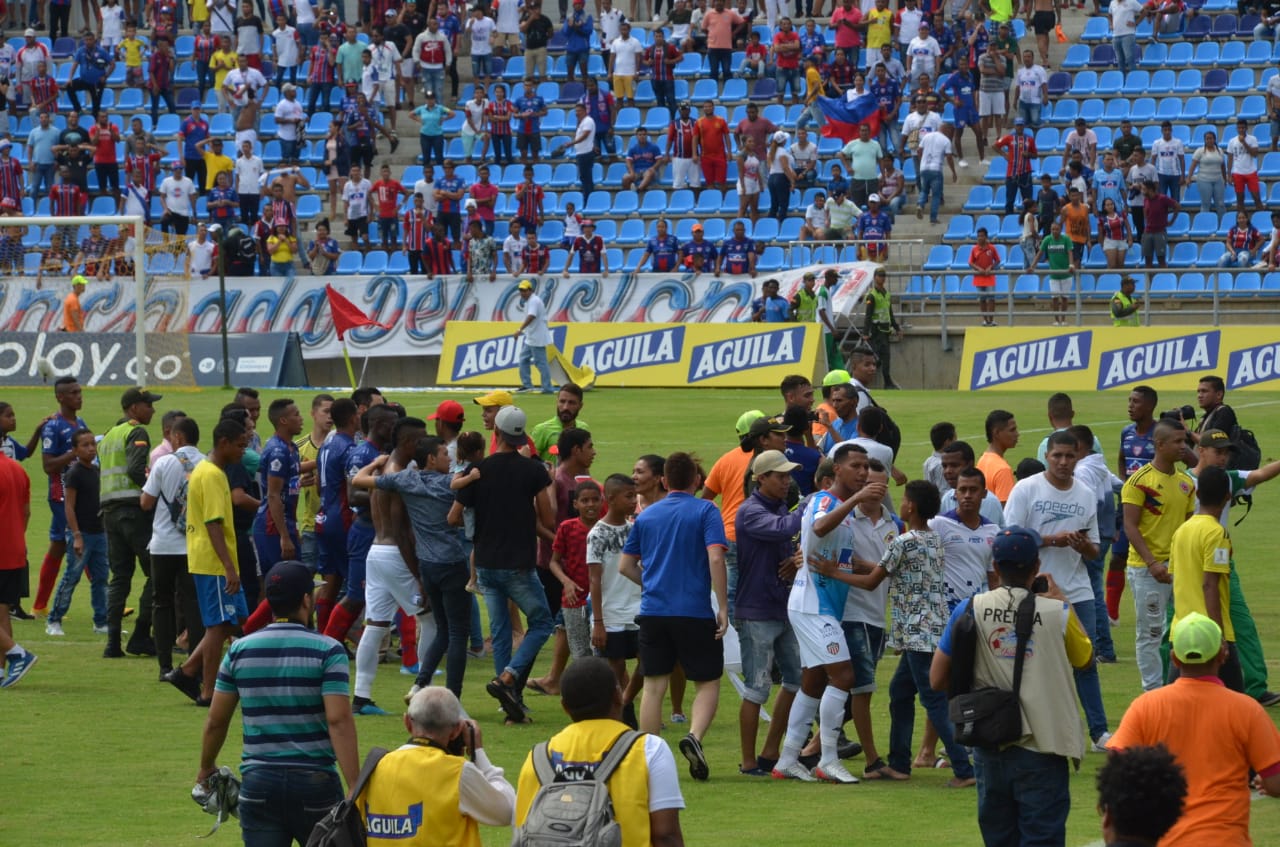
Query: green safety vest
{"points": [[113, 457], [881, 315], [1126, 302], [806, 306]]}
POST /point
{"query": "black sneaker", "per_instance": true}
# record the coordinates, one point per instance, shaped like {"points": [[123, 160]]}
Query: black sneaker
{"points": [[21, 614], [188, 685], [1268, 698], [141, 646], [846, 749], [691, 749], [509, 699], [112, 651]]}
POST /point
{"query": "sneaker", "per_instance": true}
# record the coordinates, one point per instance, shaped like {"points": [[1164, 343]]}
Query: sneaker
{"points": [[1111, 660], [1268, 698], [18, 667], [846, 749], [508, 698], [794, 771], [1100, 743], [409, 670], [188, 685], [414, 689], [962, 163], [474, 653], [369, 708], [834, 772], [691, 749], [21, 614], [53, 628], [100, 630], [678, 718], [1114, 621]]}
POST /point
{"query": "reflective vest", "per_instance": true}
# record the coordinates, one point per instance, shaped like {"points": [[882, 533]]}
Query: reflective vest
{"points": [[412, 799], [1126, 302], [113, 457], [806, 306], [881, 314]]}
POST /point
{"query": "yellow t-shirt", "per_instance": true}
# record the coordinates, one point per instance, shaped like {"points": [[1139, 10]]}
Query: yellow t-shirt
{"points": [[208, 510], [199, 11], [879, 28], [812, 85], [280, 249], [1200, 546], [1165, 502], [309, 498], [132, 49], [223, 61], [215, 164]]}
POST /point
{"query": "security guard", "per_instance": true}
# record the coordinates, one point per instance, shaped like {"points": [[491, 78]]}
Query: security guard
{"points": [[1125, 308], [123, 455], [880, 325], [804, 304]]}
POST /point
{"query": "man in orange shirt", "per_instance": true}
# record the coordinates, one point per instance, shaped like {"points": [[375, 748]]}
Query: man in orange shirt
{"points": [[719, 24], [711, 133], [15, 512], [72, 314], [1075, 223], [1217, 735], [1002, 436], [728, 481], [983, 261]]}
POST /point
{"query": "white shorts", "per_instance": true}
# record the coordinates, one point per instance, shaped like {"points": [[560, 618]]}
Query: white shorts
{"points": [[389, 585], [821, 639], [684, 173], [1109, 244], [386, 90], [990, 103], [1062, 286], [748, 186], [408, 68], [243, 135]]}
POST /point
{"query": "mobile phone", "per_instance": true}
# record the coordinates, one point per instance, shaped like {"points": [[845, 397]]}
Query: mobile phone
{"points": [[1039, 585]]}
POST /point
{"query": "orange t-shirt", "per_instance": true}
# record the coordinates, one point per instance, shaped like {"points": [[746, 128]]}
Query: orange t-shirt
{"points": [[712, 131], [1077, 223], [1217, 735], [820, 430], [998, 473], [72, 315], [727, 478], [985, 258]]}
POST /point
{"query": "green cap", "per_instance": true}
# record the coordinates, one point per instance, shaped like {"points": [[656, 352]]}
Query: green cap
{"points": [[836, 378], [743, 426], [1196, 639]]}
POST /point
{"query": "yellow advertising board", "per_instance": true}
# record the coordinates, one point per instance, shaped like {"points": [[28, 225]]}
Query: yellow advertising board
{"points": [[1118, 358], [736, 355]]}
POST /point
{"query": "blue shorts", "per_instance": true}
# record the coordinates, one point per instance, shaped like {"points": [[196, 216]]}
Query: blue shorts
{"points": [[763, 644], [267, 546], [1120, 547], [58, 525], [333, 549], [965, 117], [866, 646], [359, 540], [216, 605]]}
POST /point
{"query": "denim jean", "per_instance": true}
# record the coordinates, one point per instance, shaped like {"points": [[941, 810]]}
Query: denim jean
{"points": [[281, 805], [788, 78], [1126, 47], [522, 587], [931, 188], [721, 63], [481, 65], [445, 584], [1170, 184], [909, 680], [1088, 686], [779, 196], [586, 163], [433, 81], [664, 90], [283, 269], [309, 35], [1262, 31], [731, 576], [477, 630], [890, 137], [1103, 646], [94, 559], [1030, 112], [43, 179], [1023, 797], [1212, 194], [535, 355], [767, 646], [1150, 602], [1015, 185], [309, 550], [318, 94], [432, 149], [165, 94]]}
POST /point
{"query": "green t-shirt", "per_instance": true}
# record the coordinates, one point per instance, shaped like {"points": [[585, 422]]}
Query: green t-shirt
{"points": [[548, 432], [1058, 252], [1239, 485]]}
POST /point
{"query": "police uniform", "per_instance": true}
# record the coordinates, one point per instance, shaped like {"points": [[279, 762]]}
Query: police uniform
{"points": [[879, 327]]}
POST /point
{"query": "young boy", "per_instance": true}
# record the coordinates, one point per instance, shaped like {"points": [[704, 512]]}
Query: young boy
{"points": [[755, 63], [88, 548], [615, 600], [983, 261], [940, 435], [569, 565], [133, 49]]}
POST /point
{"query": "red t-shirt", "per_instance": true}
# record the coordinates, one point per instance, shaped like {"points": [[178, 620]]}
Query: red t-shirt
{"points": [[387, 193], [15, 498], [571, 544], [787, 60], [104, 144], [846, 37], [479, 192], [712, 131], [986, 258]]}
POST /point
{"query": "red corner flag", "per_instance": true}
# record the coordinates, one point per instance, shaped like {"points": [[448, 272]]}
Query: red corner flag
{"points": [[347, 315]]}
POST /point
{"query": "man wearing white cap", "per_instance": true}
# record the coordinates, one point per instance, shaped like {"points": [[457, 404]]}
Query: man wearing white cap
{"points": [[537, 337], [30, 56]]}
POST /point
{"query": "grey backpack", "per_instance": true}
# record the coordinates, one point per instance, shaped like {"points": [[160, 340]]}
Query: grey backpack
{"points": [[576, 813]]}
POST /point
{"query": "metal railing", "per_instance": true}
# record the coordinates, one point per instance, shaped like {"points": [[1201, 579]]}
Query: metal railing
{"points": [[903, 252]]}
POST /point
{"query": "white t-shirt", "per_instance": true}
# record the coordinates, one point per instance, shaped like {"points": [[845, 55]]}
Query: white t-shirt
{"points": [[511, 247], [926, 123], [201, 256], [1168, 156], [536, 334], [1273, 86], [782, 155], [473, 123], [356, 196], [610, 24], [910, 28], [1242, 161], [875, 450], [625, 51], [306, 13], [178, 196], [934, 148], [286, 46], [816, 216], [136, 199], [1037, 505], [112, 25], [1030, 81], [481, 30], [384, 58], [507, 13], [289, 110], [587, 144], [249, 173], [619, 596], [164, 483], [428, 192], [870, 540], [924, 53], [966, 554], [1124, 16], [252, 79]]}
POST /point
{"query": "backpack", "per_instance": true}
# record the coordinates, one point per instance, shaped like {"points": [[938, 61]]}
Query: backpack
{"points": [[343, 826], [178, 505], [890, 436], [574, 813]]}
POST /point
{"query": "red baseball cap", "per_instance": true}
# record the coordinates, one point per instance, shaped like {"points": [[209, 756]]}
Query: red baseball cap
{"points": [[450, 411]]}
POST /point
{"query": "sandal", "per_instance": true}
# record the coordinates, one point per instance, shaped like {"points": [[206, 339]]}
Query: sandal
{"points": [[535, 686], [880, 770]]}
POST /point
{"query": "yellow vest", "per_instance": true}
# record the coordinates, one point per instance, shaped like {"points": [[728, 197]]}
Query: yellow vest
{"points": [[309, 498], [412, 801], [881, 315], [585, 743], [1125, 302], [806, 305], [113, 458]]}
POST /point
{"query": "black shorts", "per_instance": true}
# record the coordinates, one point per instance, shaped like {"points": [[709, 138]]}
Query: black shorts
{"points": [[527, 142], [692, 642], [621, 645], [1043, 23], [357, 227], [12, 586]]}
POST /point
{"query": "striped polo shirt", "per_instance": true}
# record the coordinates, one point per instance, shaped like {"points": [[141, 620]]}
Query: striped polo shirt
{"points": [[282, 674]]}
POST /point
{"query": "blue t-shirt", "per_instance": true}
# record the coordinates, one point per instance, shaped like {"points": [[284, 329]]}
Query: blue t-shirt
{"points": [[1138, 450], [776, 309], [874, 227], [11, 448], [735, 254], [960, 86], [944, 643], [55, 440], [40, 142], [643, 156], [432, 119], [706, 249], [92, 64], [665, 252], [810, 43], [1110, 184], [837, 184], [886, 93], [280, 460], [671, 538], [535, 104], [808, 459], [838, 427], [331, 464], [222, 213], [193, 132], [360, 455], [446, 205]]}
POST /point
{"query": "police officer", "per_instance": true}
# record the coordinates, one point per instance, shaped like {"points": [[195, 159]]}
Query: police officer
{"points": [[1125, 308], [880, 325], [123, 455]]}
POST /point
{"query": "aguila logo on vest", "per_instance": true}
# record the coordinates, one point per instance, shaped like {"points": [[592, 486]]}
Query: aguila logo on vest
{"points": [[1031, 358], [491, 355], [1166, 357], [628, 352], [396, 826], [763, 350]]}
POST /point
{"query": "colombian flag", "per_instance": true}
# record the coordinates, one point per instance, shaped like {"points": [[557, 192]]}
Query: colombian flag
{"points": [[845, 116]]}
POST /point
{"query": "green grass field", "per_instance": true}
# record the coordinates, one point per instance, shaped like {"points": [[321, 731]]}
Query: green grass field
{"points": [[126, 747]]}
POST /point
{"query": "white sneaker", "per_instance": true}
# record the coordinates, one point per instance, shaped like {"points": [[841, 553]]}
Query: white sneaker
{"points": [[100, 630], [962, 163], [412, 691], [1100, 746], [1114, 621], [794, 771], [52, 628], [834, 772]]}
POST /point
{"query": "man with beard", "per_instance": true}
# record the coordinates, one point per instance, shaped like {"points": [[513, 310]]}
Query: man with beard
{"points": [[568, 405]]}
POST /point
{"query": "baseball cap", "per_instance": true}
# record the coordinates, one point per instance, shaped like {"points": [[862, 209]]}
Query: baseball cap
{"points": [[697, 228], [745, 420], [874, 198], [30, 33], [497, 397], [79, 280], [510, 423], [780, 137], [176, 166], [1196, 639], [525, 285], [450, 411], [1016, 546], [763, 426], [1216, 439], [138, 395], [771, 461], [288, 582], [809, 275], [1019, 122], [5, 143], [390, 13], [837, 377]]}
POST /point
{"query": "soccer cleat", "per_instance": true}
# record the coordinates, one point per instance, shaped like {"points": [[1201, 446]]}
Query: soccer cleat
{"points": [[53, 628], [412, 691], [370, 708], [18, 667], [409, 670], [1100, 743], [794, 771], [691, 749], [835, 772]]}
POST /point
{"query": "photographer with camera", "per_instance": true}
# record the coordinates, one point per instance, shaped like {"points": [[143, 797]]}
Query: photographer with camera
{"points": [[1023, 786], [1217, 415], [440, 785]]}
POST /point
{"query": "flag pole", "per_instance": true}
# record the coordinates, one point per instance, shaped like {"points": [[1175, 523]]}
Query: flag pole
{"points": [[346, 357]]}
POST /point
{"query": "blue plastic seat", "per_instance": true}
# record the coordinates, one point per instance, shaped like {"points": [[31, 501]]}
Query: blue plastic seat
{"points": [[658, 119], [1180, 55], [1117, 110], [1077, 57], [1085, 83], [1096, 29], [1232, 54], [1027, 285], [1153, 56], [1206, 55], [960, 228], [1163, 81], [1164, 285], [375, 262], [772, 260], [1184, 254], [1210, 254], [1188, 81], [1257, 54], [1065, 112], [1240, 81], [1135, 83], [680, 202], [767, 229], [1253, 108], [1109, 84], [939, 258], [1224, 26], [349, 264], [1059, 83], [308, 207], [1247, 283], [1193, 109], [981, 196]]}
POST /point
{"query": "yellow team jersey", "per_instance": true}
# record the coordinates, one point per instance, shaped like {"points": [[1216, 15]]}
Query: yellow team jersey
{"points": [[879, 28], [812, 84], [132, 48], [215, 164], [309, 500], [208, 510], [280, 249], [1164, 502], [1201, 546], [224, 61]]}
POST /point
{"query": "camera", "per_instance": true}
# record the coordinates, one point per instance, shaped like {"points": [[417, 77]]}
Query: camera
{"points": [[1183, 413], [1039, 585], [813, 416]]}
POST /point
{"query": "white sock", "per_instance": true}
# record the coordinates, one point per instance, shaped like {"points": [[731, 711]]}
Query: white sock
{"points": [[830, 716], [367, 659], [802, 711], [426, 634], [16, 650]]}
